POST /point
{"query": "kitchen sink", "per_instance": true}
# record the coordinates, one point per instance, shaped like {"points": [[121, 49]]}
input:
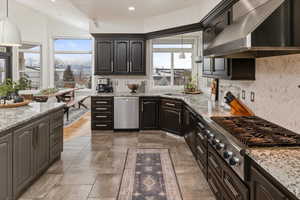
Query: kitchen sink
{"points": [[175, 94]]}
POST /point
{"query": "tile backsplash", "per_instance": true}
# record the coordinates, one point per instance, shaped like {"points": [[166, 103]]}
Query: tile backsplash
{"points": [[276, 90]]}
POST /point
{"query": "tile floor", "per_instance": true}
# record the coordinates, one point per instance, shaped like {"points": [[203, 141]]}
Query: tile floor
{"points": [[91, 167]]}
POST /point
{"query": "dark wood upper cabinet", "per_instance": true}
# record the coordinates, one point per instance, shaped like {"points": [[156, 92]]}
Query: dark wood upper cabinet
{"points": [[137, 56], [104, 57], [120, 55]]}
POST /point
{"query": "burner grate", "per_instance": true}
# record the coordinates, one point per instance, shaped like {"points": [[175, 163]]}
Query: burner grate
{"points": [[256, 132]]}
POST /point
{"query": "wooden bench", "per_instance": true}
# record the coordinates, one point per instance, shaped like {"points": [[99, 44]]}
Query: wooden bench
{"points": [[72, 103]]}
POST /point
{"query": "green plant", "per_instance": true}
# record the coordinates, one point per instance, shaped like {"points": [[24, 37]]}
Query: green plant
{"points": [[191, 84], [23, 84], [9, 87]]}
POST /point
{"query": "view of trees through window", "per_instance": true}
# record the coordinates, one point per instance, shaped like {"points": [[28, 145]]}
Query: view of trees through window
{"points": [[73, 63], [30, 64], [168, 68]]}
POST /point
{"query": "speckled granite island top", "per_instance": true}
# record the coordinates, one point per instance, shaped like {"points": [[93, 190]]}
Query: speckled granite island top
{"points": [[12, 117], [281, 163]]}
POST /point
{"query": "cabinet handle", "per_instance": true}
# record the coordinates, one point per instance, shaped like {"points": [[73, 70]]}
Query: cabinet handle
{"points": [[101, 125], [101, 108], [201, 125], [98, 116], [128, 67], [112, 66], [215, 190], [213, 162], [200, 149], [170, 104], [201, 136], [142, 106], [231, 187], [101, 102]]}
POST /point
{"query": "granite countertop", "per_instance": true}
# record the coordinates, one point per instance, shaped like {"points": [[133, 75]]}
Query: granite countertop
{"points": [[281, 163], [12, 117], [200, 103]]}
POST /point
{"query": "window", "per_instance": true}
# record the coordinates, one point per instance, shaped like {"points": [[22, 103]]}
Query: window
{"points": [[73, 63], [168, 69], [30, 64]]}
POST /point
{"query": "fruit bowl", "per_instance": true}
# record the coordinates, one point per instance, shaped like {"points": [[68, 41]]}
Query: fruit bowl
{"points": [[133, 87]]}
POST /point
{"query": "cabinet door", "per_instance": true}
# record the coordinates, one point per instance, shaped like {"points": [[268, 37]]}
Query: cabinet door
{"points": [[23, 159], [207, 66], [121, 57], [262, 189], [137, 56], [42, 148], [219, 67], [149, 114], [104, 57], [170, 120], [6, 167]]}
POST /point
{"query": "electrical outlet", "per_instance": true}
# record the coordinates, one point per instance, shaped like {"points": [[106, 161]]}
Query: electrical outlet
{"points": [[243, 94], [252, 96]]}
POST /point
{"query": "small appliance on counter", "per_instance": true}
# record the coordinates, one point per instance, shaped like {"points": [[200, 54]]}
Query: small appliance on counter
{"points": [[104, 85]]}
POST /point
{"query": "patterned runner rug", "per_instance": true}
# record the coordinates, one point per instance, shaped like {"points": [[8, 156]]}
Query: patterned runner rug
{"points": [[149, 175]]}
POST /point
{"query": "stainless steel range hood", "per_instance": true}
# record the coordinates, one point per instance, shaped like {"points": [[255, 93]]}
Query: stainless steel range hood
{"points": [[260, 28]]}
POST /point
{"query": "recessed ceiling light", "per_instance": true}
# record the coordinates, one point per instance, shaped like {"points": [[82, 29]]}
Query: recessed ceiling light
{"points": [[53, 0], [131, 8]]}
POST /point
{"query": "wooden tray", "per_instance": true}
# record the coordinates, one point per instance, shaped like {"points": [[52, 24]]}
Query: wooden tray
{"points": [[195, 92], [15, 105]]}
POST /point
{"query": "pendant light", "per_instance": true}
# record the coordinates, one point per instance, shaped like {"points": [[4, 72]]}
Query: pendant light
{"points": [[9, 33], [182, 54]]}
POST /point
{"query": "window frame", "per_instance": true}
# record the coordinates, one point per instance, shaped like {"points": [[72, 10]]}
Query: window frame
{"points": [[172, 51], [40, 52], [91, 52]]}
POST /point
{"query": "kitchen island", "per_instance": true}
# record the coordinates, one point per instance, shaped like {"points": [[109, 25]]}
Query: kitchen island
{"points": [[31, 139]]}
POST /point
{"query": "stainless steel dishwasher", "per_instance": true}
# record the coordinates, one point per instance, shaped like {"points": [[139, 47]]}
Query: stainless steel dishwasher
{"points": [[126, 113]]}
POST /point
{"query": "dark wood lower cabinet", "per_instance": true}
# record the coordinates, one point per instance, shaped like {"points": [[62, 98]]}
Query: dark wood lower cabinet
{"points": [[6, 166], [102, 109], [170, 120], [264, 189], [149, 113], [26, 153]]}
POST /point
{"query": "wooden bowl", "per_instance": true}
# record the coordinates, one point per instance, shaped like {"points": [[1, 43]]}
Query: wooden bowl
{"points": [[41, 99], [15, 105], [133, 87]]}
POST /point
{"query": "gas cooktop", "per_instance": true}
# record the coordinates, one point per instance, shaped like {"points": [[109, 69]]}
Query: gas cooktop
{"points": [[256, 132]]}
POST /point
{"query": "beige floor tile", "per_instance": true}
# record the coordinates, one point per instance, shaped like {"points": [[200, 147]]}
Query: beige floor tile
{"points": [[80, 178], [69, 192], [106, 186], [42, 186]]}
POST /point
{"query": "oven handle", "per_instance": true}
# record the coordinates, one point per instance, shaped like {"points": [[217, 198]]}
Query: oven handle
{"points": [[213, 162], [231, 188]]}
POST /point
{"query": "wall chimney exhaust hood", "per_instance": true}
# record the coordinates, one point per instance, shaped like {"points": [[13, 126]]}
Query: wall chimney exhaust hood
{"points": [[259, 28]]}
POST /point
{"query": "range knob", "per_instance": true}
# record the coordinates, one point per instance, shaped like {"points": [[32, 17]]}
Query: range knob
{"points": [[211, 135], [220, 146], [227, 154], [215, 141], [234, 161]]}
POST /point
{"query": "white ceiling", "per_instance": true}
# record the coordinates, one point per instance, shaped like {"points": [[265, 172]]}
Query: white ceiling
{"points": [[112, 9]]}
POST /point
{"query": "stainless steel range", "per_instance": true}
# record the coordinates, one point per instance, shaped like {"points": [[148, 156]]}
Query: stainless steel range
{"points": [[232, 136]]}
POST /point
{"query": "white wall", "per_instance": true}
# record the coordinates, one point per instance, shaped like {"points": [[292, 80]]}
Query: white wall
{"points": [[41, 29]]}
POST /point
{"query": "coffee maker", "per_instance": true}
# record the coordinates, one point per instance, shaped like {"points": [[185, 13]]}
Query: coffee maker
{"points": [[104, 85]]}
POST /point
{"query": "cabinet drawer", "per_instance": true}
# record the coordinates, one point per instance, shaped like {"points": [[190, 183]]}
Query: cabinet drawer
{"points": [[171, 103], [214, 163], [102, 109], [214, 184], [101, 116], [57, 119], [101, 101], [201, 155], [102, 125]]}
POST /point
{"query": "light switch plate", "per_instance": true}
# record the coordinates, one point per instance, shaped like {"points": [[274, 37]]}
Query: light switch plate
{"points": [[243, 94], [252, 96]]}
